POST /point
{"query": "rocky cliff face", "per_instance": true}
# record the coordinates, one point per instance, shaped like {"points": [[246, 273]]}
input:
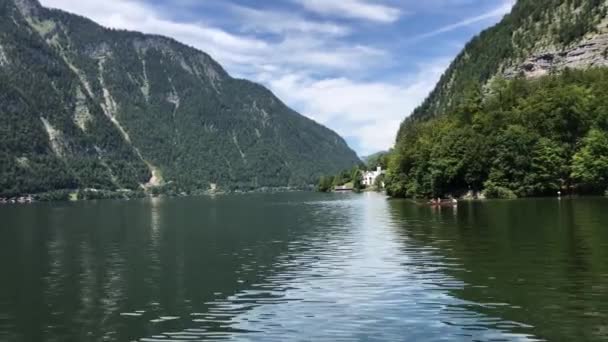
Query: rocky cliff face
{"points": [[114, 109], [537, 37], [591, 51]]}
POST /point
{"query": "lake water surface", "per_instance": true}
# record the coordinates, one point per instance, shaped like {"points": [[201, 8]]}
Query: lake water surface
{"points": [[304, 267]]}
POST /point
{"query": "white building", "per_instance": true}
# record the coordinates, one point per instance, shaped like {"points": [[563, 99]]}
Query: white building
{"points": [[369, 177]]}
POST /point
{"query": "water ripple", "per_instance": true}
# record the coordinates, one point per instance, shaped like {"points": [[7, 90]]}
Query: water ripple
{"points": [[354, 279], [304, 267]]}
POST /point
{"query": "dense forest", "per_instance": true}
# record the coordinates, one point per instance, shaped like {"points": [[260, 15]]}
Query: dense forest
{"points": [[82, 106], [483, 128], [351, 179], [525, 138]]}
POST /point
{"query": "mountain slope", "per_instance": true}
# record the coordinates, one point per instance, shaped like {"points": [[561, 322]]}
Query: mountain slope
{"points": [[537, 37], [520, 112], [88, 107]]}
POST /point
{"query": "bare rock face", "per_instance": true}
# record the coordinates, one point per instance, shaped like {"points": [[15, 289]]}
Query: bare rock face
{"points": [[591, 52], [27, 6], [3, 59]]}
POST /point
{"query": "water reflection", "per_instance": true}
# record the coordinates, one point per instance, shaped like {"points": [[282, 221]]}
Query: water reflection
{"points": [[351, 276], [303, 267], [535, 260]]}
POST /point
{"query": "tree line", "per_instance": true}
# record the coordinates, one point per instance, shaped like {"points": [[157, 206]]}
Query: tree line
{"points": [[353, 178], [517, 138]]}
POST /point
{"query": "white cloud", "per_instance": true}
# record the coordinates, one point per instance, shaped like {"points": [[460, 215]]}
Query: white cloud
{"points": [[281, 22], [498, 12], [134, 15], [300, 66], [304, 49], [236, 52], [369, 112], [357, 9]]}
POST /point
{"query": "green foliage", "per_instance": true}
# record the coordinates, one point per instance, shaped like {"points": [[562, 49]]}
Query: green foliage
{"points": [[511, 160], [526, 138], [88, 194], [378, 183], [590, 163], [377, 159], [549, 168], [57, 195], [325, 184], [183, 114], [494, 191], [352, 177], [575, 26], [339, 180], [357, 179]]}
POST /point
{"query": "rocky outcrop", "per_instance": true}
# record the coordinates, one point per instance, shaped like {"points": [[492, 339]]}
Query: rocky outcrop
{"points": [[28, 7], [591, 52], [3, 58]]}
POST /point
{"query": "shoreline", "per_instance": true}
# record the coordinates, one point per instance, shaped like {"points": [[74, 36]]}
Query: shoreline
{"points": [[424, 202], [81, 195]]}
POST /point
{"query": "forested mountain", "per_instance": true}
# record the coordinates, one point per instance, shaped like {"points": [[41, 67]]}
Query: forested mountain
{"points": [[377, 159], [520, 112], [82, 106]]}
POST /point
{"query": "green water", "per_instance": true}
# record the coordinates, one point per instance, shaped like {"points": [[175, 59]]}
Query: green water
{"points": [[304, 267]]}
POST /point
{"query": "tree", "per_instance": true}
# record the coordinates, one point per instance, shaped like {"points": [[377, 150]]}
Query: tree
{"points": [[379, 159], [379, 182], [548, 170], [357, 179], [338, 180], [512, 158], [325, 184], [590, 163]]}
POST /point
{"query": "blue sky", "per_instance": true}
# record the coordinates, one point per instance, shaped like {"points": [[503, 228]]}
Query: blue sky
{"points": [[357, 66]]}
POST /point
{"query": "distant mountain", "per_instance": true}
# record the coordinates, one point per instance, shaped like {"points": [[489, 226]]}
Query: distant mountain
{"points": [[372, 156], [377, 159], [82, 106], [521, 111]]}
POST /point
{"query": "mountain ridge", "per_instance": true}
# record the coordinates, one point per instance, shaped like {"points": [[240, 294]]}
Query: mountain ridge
{"points": [[141, 109]]}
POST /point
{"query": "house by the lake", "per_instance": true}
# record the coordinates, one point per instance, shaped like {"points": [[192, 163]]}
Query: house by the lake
{"points": [[369, 177]]}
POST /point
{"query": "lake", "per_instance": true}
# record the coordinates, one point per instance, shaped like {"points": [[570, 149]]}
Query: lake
{"points": [[304, 267]]}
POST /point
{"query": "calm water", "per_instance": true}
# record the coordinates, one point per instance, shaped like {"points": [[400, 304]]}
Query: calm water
{"points": [[306, 267]]}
